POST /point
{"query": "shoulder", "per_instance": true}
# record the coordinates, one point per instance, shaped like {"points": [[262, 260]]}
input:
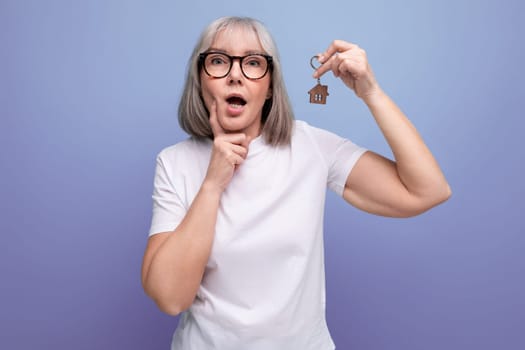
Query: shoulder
{"points": [[329, 145], [303, 130], [186, 159], [300, 126]]}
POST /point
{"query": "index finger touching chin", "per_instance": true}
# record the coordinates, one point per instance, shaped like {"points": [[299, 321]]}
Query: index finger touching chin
{"points": [[214, 122]]}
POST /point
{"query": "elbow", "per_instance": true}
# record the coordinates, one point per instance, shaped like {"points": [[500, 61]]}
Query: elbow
{"points": [[424, 204], [448, 192], [444, 194], [171, 308], [439, 198], [417, 204], [168, 304], [170, 300]]}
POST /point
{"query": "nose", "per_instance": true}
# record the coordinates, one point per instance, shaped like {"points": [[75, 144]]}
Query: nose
{"points": [[235, 74]]}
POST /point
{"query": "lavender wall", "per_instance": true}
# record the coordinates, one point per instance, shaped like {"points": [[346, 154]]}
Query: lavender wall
{"points": [[88, 94]]}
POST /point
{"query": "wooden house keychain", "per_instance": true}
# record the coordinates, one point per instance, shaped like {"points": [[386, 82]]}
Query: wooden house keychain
{"points": [[319, 92]]}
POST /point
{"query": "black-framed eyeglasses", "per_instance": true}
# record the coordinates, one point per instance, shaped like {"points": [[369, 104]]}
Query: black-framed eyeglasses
{"points": [[218, 64]]}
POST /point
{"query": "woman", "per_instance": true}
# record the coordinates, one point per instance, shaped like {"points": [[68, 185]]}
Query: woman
{"points": [[236, 235]]}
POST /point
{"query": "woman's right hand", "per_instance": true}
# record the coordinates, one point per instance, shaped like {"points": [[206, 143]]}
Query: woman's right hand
{"points": [[228, 153]]}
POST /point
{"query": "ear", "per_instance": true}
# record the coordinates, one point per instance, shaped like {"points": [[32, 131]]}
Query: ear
{"points": [[269, 93]]}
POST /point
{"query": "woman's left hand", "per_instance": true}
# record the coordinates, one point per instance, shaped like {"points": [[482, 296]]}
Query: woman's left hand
{"points": [[348, 62]]}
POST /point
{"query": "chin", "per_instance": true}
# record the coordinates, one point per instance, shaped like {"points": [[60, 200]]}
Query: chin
{"points": [[233, 125]]}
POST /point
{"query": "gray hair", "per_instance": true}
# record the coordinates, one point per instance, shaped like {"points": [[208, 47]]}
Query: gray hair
{"points": [[277, 113]]}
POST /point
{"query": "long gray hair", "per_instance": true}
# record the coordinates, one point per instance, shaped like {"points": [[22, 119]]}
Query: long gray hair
{"points": [[277, 114]]}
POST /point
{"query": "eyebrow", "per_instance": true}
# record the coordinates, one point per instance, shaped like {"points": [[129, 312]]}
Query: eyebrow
{"points": [[249, 52]]}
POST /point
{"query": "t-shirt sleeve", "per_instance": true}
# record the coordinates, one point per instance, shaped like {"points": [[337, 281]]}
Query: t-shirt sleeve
{"points": [[168, 208], [340, 156]]}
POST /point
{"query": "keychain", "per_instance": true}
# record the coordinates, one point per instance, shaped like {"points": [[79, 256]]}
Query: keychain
{"points": [[319, 92]]}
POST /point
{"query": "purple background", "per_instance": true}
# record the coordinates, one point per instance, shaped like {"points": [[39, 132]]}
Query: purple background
{"points": [[88, 97]]}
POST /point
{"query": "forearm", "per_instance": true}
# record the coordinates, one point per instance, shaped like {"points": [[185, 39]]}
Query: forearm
{"points": [[416, 167], [176, 269]]}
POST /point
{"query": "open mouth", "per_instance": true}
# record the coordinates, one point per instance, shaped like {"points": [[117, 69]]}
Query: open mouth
{"points": [[236, 101]]}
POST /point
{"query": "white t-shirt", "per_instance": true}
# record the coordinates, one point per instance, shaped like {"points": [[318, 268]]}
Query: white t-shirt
{"points": [[264, 284]]}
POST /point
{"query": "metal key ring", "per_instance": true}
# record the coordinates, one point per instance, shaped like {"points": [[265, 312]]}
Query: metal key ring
{"points": [[312, 62]]}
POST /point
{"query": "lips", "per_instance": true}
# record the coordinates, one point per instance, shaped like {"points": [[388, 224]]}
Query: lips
{"points": [[236, 100], [235, 104]]}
